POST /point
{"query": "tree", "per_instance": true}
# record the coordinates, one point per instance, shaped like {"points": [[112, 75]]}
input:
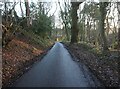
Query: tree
{"points": [[74, 26], [66, 18], [89, 17], [21, 8], [8, 23], [42, 23], [103, 12], [118, 6], [27, 12]]}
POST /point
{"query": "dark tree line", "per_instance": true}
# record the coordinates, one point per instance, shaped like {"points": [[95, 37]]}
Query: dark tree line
{"points": [[93, 24], [90, 24]]}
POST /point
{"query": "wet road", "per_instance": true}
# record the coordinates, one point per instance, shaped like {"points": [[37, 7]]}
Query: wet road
{"points": [[56, 69]]}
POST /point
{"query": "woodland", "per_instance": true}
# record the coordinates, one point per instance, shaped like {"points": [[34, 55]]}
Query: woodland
{"points": [[90, 31]]}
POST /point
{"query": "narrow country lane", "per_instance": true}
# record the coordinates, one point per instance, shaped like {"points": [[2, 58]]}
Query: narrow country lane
{"points": [[56, 69]]}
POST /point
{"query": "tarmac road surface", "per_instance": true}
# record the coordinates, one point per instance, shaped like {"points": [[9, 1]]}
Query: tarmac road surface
{"points": [[57, 69]]}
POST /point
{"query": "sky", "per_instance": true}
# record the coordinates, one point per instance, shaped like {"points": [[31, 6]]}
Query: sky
{"points": [[54, 6]]}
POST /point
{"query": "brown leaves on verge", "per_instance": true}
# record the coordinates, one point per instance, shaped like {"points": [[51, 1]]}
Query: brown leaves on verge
{"points": [[105, 69], [15, 58]]}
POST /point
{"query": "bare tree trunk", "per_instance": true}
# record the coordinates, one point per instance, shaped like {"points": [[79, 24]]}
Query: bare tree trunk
{"points": [[88, 29], [102, 25], [66, 31], [27, 12], [21, 9], [97, 35], [0, 26], [118, 6], [114, 29], [74, 27], [108, 27]]}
